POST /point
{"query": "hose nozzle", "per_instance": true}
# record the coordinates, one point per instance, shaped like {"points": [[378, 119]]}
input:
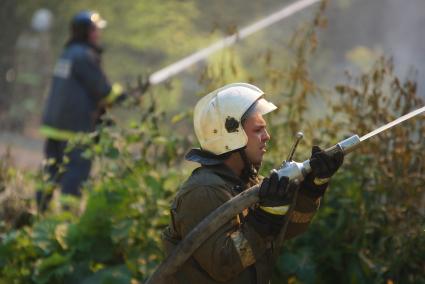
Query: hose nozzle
{"points": [[297, 171], [347, 146]]}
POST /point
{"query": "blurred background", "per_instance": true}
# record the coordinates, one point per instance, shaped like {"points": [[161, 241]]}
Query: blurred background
{"points": [[334, 68]]}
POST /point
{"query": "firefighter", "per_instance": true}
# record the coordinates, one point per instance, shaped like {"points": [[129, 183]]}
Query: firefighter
{"points": [[232, 133], [78, 95]]}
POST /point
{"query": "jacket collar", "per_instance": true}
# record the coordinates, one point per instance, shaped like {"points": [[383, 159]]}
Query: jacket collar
{"points": [[216, 164], [205, 158], [98, 49], [226, 173]]}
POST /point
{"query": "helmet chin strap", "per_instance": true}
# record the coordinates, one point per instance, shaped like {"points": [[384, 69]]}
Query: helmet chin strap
{"points": [[249, 170]]}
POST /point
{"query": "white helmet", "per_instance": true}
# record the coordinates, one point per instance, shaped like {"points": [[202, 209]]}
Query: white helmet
{"points": [[217, 116]]}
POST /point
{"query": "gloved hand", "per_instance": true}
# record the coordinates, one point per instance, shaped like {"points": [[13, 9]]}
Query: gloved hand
{"points": [[275, 198], [276, 192], [323, 166]]}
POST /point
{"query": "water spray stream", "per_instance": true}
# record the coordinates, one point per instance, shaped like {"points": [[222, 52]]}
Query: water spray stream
{"points": [[181, 65], [392, 123]]}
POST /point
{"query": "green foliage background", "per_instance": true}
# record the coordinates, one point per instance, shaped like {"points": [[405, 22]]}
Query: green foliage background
{"points": [[369, 229]]}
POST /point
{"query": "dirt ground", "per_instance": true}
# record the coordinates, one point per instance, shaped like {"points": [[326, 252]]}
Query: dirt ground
{"points": [[25, 149]]}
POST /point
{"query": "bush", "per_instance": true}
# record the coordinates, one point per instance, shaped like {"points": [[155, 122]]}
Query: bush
{"points": [[369, 229]]}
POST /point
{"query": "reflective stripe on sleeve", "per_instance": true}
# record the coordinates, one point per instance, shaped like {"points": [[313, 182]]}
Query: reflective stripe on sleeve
{"points": [[244, 249], [57, 134], [320, 181], [278, 210]]}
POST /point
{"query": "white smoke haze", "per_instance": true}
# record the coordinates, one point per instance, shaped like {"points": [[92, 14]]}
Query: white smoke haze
{"points": [[393, 28]]}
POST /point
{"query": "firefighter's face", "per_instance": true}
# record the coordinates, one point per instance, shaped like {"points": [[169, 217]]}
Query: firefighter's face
{"points": [[255, 129], [94, 35]]}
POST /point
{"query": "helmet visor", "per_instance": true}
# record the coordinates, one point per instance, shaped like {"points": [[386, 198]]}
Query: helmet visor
{"points": [[263, 106]]}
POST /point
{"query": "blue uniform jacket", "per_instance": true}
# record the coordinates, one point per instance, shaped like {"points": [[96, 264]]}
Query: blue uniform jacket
{"points": [[78, 87]]}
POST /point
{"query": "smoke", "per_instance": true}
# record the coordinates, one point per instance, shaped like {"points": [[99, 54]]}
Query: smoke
{"points": [[393, 28], [404, 38]]}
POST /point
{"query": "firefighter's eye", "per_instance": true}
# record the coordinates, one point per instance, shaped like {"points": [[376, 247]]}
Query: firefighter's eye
{"points": [[258, 129]]}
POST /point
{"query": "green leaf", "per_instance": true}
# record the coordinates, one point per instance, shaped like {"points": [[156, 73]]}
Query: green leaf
{"points": [[43, 236], [52, 261], [121, 230], [112, 153], [111, 275]]}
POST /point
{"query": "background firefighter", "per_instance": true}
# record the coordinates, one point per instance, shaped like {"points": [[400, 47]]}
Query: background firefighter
{"points": [[78, 96], [232, 132]]}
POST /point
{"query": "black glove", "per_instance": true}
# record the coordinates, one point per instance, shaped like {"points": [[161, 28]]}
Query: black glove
{"points": [[275, 198], [323, 166], [121, 98], [276, 192]]}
